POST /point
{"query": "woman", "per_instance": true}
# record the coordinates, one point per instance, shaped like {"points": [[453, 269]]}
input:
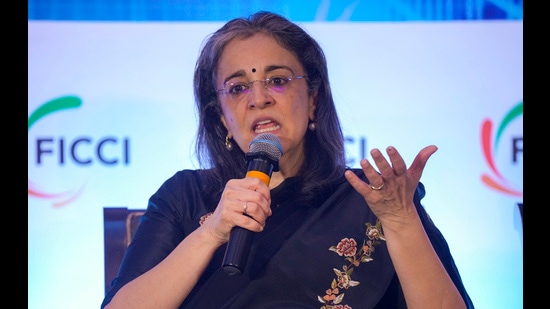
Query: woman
{"points": [[326, 236]]}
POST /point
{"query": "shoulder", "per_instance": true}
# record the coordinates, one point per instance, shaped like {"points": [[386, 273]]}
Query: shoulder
{"points": [[181, 194], [187, 177], [358, 171], [182, 184]]}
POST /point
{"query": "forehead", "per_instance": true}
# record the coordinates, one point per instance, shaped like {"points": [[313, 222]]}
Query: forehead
{"points": [[259, 52]]}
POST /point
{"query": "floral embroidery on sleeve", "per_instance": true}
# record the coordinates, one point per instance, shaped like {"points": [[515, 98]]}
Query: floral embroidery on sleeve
{"points": [[347, 247]]}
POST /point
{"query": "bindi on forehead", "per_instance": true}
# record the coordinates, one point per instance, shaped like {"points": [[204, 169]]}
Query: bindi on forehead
{"points": [[253, 70]]}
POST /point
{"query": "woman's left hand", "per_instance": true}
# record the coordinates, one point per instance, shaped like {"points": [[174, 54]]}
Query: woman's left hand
{"points": [[391, 190]]}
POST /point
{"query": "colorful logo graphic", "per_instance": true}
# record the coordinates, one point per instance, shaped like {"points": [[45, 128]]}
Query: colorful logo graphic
{"points": [[59, 104], [490, 143]]}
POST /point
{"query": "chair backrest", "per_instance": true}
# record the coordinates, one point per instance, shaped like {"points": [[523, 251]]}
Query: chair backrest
{"points": [[119, 226]]}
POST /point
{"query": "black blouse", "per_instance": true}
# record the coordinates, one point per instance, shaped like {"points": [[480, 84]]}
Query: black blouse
{"points": [[326, 253]]}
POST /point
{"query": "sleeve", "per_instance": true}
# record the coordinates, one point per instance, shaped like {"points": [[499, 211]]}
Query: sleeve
{"points": [[162, 227], [440, 245]]}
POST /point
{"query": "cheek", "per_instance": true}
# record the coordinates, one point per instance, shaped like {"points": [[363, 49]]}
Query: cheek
{"points": [[302, 108], [232, 125], [233, 121], [230, 120], [229, 115]]}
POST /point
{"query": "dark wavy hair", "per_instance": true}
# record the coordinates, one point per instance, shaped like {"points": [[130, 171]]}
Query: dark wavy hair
{"points": [[324, 147]]}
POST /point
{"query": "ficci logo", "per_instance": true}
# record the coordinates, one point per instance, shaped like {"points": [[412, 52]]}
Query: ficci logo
{"points": [[490, 142], [80, 151], [59, 198]]}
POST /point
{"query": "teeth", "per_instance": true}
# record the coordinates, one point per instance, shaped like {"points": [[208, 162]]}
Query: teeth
{"points": [[273, 128]]}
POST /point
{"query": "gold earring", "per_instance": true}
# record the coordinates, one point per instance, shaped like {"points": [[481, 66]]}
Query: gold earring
{"points": [[228, 144]]}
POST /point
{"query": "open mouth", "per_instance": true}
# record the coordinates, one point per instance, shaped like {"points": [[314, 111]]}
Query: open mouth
{"points": [[266, 126]]}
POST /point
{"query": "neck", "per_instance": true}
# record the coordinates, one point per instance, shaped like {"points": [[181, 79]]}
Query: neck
{"points": [[276, 179], [285, 171]]}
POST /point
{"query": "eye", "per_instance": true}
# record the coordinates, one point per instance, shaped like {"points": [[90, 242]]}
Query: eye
{"points": [[237, 87], [278, 81]]}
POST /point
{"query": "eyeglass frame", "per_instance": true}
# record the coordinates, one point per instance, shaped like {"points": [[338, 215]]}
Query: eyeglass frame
{"points": [[264, 82]]}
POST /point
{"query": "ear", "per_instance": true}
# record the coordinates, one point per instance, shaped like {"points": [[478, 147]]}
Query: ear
{"points": [[313, 105], [222, 118]]}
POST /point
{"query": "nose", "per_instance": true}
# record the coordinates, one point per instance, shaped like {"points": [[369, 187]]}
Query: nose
{"points": [[259, 96], [260, 81]]}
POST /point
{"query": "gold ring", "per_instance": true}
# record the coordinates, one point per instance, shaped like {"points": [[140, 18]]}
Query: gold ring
{"points": [[377, 188], [244, 206]]}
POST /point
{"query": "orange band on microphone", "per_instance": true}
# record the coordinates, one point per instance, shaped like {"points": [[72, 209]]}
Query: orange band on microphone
{"points": [[257, 174]]}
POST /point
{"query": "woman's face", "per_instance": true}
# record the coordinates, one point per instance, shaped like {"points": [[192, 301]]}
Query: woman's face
{"points": [[249, 109]]}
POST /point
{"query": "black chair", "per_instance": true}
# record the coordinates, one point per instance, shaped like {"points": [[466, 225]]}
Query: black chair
{"points": [[119, 226]]}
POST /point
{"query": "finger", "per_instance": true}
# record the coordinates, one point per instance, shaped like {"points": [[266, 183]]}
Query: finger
{"points": [[256, 184], [250, 215], [359, 185], [383, 165], [245, 220], [374, 178], [255, 204], [398, 164], [254, 211], [419, 162], [245, 208]]}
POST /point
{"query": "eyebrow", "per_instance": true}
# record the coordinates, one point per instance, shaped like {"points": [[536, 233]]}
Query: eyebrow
{"points": [[268, 69]]}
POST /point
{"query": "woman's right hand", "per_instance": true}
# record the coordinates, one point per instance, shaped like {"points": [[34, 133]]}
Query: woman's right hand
{"points": [[238, 193]]}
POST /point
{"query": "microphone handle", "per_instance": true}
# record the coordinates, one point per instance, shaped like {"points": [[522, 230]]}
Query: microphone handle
{"points": [[236, 253], [240, 239]]}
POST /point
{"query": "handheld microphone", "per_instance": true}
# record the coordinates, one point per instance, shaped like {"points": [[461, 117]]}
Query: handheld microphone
{"points": [[262, 160]]}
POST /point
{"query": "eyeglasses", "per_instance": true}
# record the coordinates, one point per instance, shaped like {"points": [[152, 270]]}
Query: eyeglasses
{"points": [[237, 89]]}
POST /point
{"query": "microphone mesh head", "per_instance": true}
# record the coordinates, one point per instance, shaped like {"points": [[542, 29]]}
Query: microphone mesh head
{"points": [[268, 144]]}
